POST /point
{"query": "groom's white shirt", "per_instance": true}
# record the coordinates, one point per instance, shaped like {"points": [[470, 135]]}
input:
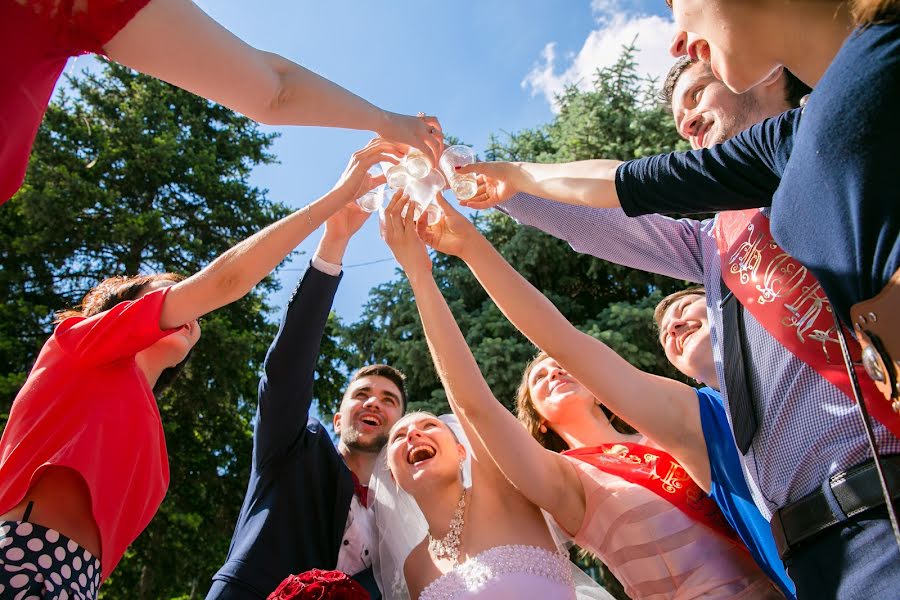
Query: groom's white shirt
{"points": [[355, 554]]}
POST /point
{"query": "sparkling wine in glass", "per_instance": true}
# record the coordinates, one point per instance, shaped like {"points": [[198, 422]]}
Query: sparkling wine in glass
{"points": [[464, 185], [417, 164], [433, 213], [422, 191], [397, 176], [374, 198]]}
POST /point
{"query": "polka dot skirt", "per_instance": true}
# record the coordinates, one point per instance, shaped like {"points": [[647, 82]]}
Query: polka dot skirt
{"points": [[37, 563]]}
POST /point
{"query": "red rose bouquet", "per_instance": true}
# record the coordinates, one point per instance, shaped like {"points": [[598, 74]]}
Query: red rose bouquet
{"points": [[317, 584]]}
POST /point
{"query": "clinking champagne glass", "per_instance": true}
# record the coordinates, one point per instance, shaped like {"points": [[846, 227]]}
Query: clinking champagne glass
{"points": [[372, 200], [464, 185], [397, 176], [433, 213], [417, 164], [422, 191]]}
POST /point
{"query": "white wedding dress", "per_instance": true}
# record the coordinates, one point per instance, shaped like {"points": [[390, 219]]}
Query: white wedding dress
{"points": [[501, 573], [506, 573]]}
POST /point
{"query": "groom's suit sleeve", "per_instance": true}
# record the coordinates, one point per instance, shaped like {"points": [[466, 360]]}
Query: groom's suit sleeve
{"points": [[286, 385]]}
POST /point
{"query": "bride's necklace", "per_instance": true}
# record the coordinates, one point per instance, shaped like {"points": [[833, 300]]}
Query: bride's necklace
{"points": [[448, 546]]}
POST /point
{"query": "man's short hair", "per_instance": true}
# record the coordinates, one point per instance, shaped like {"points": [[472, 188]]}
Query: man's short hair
{"points": [[669, 300], [393, 375], [667, 93], [794, 89]]}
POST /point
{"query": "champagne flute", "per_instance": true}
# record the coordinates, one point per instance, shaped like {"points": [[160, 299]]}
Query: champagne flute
{"points": [[374, 198], [417, 164], [464, 185]]}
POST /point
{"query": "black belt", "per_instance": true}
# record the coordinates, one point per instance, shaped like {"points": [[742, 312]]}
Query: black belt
{"points": [[856, 490]]}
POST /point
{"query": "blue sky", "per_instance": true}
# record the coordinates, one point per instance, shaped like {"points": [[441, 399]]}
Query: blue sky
{"points": [[482, 67]]}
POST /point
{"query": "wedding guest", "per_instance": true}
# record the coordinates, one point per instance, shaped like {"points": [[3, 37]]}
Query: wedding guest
{"points": [[83, 462], [307, 503], [177, 42], [776, 372], [661, 536]]}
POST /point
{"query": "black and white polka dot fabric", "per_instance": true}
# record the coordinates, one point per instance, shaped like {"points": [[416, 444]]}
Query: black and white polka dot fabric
{"points": [[37, 563]]}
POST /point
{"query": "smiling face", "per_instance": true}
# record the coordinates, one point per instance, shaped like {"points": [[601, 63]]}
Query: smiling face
{"points": [[370, 407], [737, 38], [557, 396], [706, 112], [684, 335], [422, 452]]}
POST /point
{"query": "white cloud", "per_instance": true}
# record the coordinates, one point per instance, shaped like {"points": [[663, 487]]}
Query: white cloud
{"points": [[603, 46]]}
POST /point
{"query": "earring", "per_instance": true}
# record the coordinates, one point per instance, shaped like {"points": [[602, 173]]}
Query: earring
{"points": [[543, 428]]}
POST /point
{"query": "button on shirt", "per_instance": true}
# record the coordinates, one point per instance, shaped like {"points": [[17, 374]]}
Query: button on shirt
{"points": [[808, 429], [355, 554]]}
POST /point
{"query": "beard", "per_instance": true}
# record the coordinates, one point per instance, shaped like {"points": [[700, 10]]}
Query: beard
{"points": [[354, 440], [746, 113]]}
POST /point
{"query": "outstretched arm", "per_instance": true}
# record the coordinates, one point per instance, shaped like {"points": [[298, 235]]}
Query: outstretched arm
{"points": [[286, 385], [234, 273], [177, 42], [544, 477], [583, 183], [663, 409]]}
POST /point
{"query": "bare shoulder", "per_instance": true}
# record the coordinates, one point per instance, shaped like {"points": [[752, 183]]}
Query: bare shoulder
{"points": [[419, 570]]}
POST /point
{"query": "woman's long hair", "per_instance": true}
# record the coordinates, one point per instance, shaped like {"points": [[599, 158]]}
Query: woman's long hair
{"points": [[868, 12], [112, 291], [531, 418]]}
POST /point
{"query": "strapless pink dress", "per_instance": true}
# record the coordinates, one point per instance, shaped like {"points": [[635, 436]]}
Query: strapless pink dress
{"points": [[506, 573], [658, 552]]}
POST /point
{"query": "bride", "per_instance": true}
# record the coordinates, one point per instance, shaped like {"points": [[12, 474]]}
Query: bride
{"points": [[451, 526]]}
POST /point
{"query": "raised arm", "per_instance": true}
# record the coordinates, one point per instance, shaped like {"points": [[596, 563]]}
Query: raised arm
{"points": [[498, 439], [583, 183], [177, 42], [286, 385], [742, 172], [234, 273], [664, 410], [652, 243]]}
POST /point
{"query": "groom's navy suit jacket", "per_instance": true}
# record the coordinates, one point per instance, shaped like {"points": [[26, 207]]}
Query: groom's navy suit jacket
{"points": [[298, 498]]}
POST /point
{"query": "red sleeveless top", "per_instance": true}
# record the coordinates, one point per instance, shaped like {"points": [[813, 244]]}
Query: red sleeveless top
{"points": [[88, 407], [37, 37]]}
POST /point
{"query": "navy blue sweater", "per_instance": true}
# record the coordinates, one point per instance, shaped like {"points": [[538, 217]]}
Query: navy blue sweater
{"points": [[829, 175]]}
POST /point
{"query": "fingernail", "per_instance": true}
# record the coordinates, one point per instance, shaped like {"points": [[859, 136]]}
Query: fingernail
{"points": [[457, 168]]}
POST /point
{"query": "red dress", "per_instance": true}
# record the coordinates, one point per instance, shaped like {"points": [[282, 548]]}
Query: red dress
{"points": [[88, 407], [37, 37]]}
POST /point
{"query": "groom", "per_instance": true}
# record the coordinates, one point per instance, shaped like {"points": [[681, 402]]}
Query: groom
{"points": [[305, 506]]}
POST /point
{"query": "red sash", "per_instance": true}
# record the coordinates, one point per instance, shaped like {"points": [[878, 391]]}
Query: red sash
{"points": [[656, 470], [790, 304]]}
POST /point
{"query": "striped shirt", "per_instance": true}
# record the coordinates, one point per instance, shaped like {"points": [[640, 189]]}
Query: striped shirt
{"points": [[808, 429]]}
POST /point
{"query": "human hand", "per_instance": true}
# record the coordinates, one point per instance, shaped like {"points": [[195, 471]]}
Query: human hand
{"points": [[497, 182], [339, 228], [356, 179], [453, 234], [422, 132], [400, 234]]}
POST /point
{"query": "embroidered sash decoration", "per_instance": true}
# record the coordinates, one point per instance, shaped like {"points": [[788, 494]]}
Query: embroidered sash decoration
{"points": [[656, 470], [790, 304]]}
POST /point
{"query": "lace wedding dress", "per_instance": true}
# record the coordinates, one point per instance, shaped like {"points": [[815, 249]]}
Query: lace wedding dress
{"points": [[506, 573]]}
